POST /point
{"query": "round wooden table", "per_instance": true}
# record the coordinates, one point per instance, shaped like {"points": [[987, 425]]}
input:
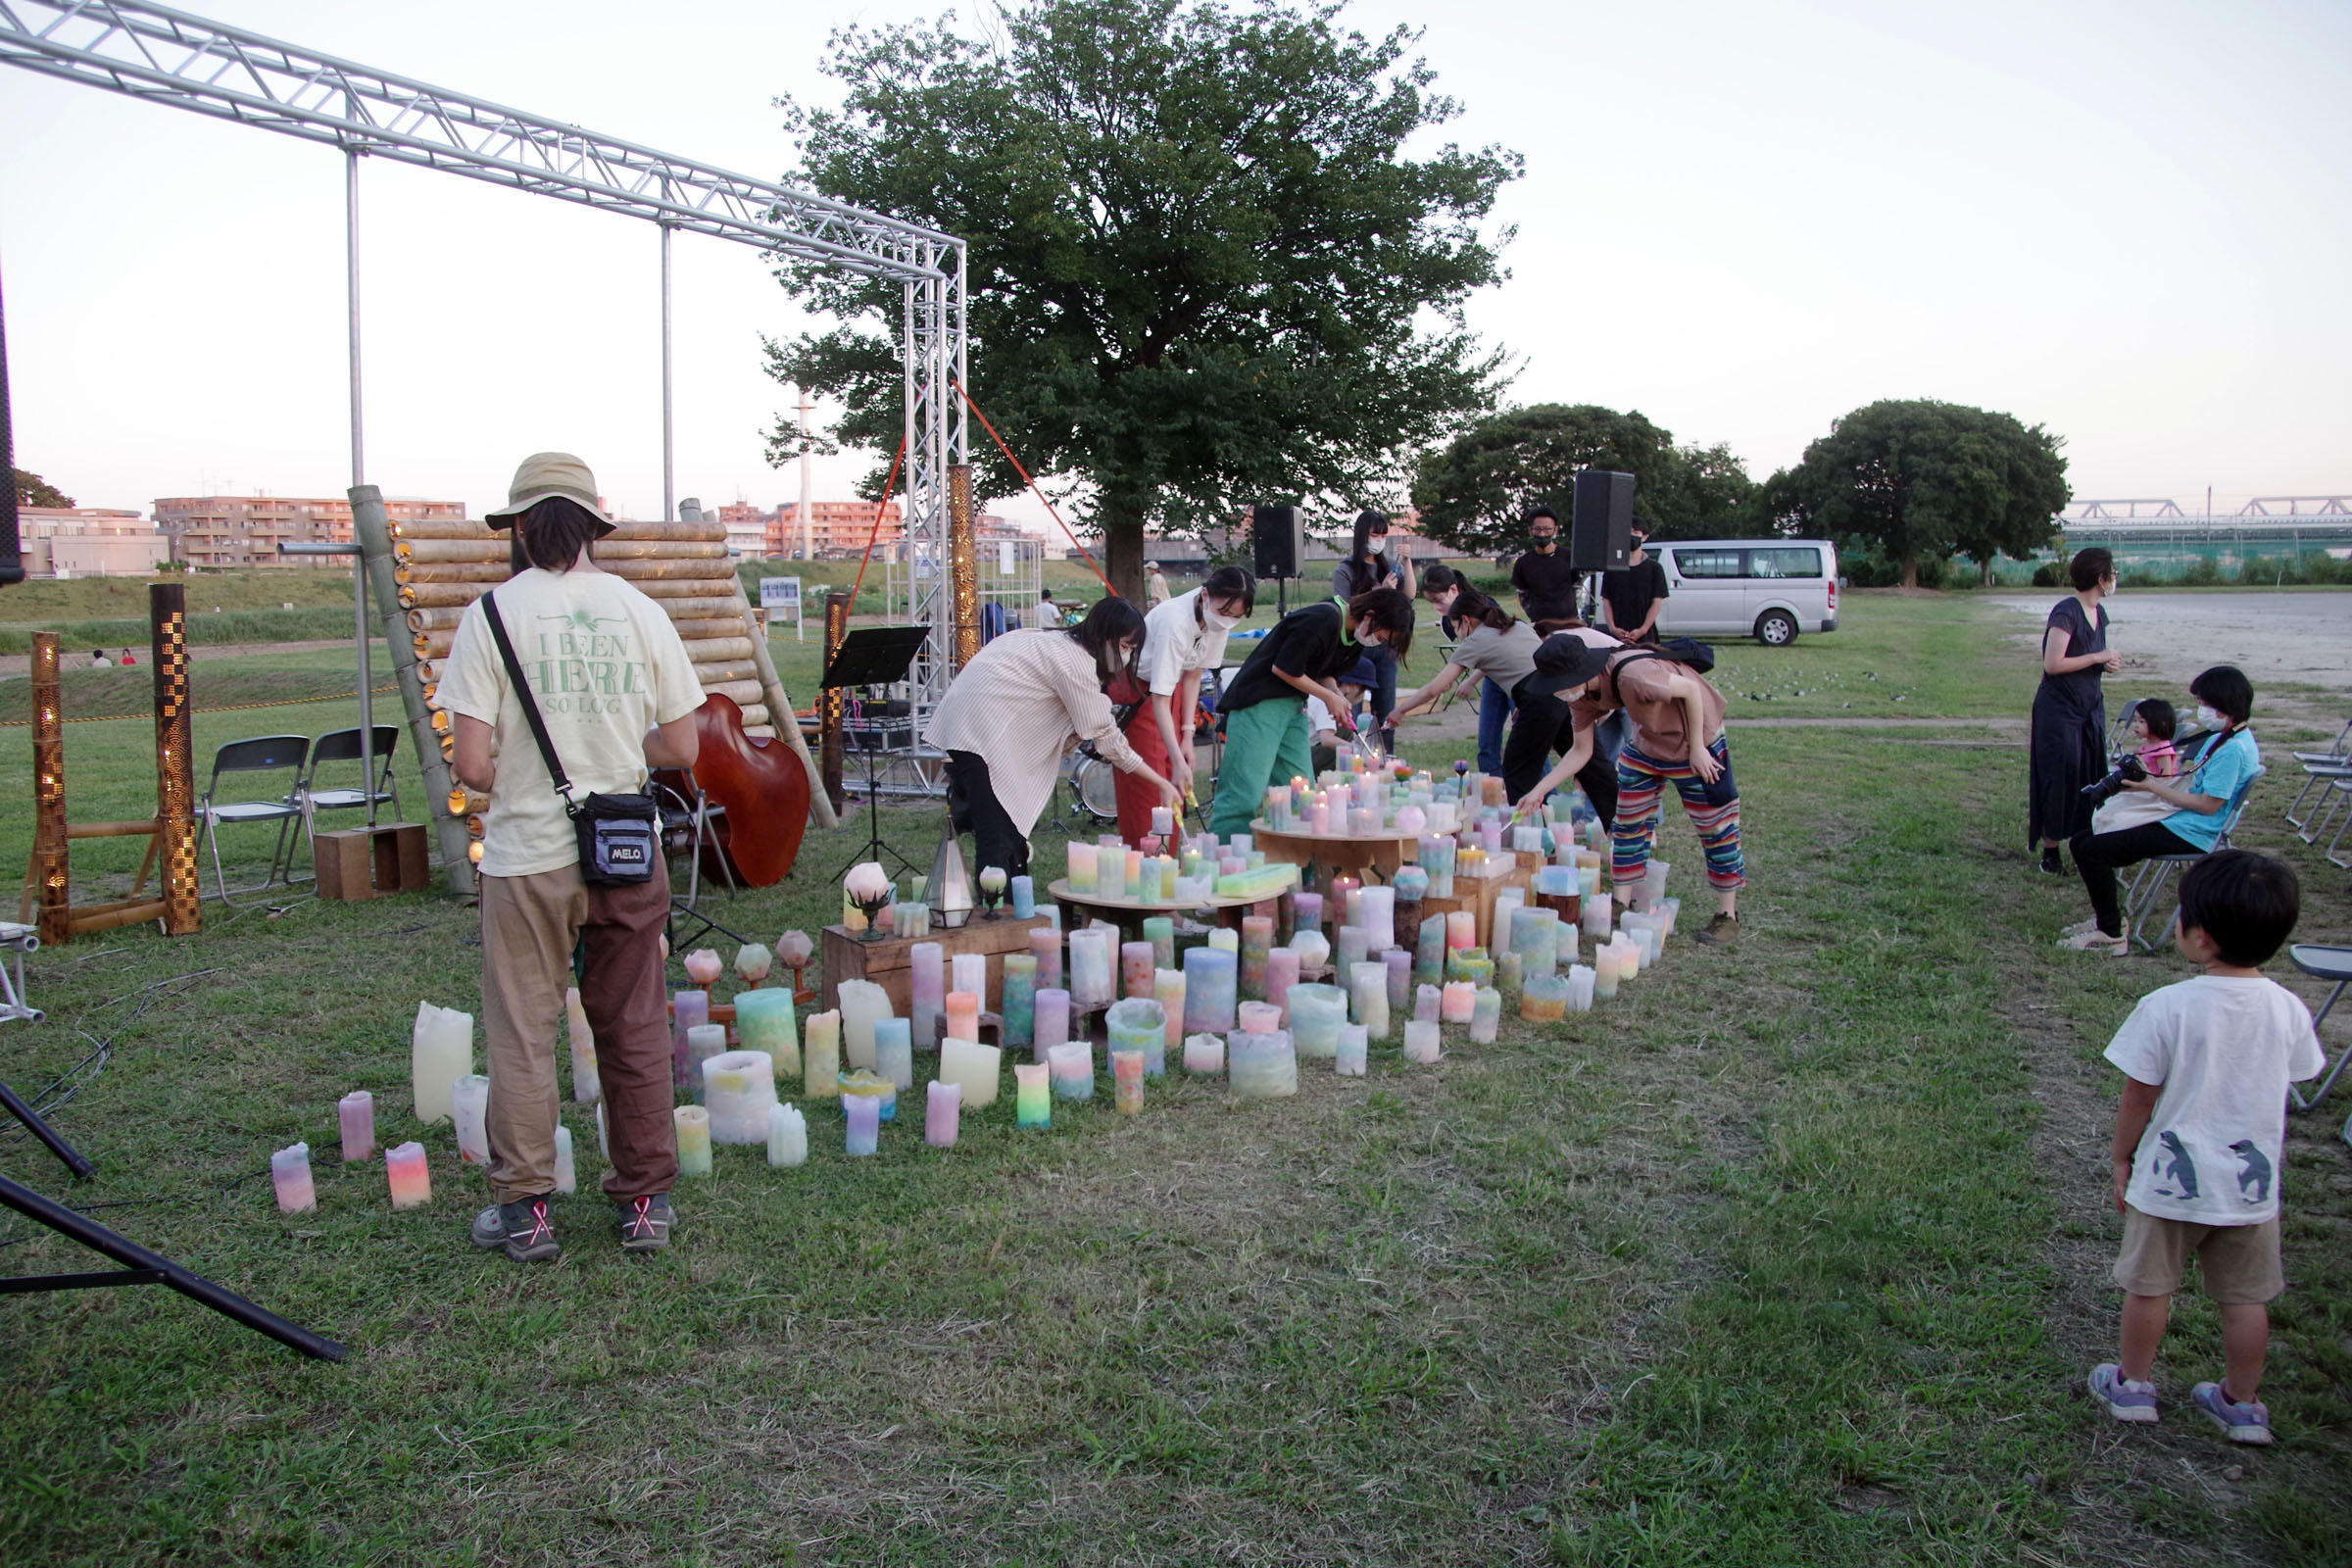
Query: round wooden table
{"points": [[1129, 914], [1338, 853]]}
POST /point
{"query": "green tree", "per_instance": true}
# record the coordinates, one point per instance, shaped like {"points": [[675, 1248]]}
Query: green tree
{"points": [[1917, 479], [1475, 492], [1201, 271], [34, 491]]}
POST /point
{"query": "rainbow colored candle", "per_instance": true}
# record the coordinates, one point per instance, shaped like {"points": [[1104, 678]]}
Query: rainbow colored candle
{"points": [[408, 1174], [1033, 1103], [1138, 1024], [1167, 988], [1257, 941], [1127, 1081], [1211, 978], [1019, 1005], [1045, 944]]}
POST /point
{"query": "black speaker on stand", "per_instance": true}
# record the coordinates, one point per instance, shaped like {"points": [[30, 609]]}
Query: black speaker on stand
{"points": [[1600, 536], [1277, 548]]}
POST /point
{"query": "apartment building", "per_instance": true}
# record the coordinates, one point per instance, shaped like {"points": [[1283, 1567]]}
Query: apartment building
{"points": [[835, 527], [88, 542], [246, 530]]}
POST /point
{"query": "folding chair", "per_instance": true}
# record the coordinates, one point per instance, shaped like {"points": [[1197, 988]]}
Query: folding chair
{"points": [[2329, 963], [2320, 767], [343, 745], [266, 754], [2343, 791], [2149, 883]]}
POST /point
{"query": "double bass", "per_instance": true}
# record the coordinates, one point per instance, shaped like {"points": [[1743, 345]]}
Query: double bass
{"points": [[762, 787]]}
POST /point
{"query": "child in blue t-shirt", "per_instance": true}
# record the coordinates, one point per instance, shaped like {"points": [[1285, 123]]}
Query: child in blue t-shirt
{"points": [[2207, 1064]]}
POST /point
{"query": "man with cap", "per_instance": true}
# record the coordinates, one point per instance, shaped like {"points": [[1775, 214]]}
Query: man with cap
{"points": [[1156, 585], [612, 682]]}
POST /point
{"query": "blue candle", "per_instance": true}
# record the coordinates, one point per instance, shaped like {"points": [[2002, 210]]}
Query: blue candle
{"points": [[1024, 897], [1211, 980]]}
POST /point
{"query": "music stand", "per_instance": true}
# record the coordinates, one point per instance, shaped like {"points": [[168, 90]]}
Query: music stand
{"points": [[875, 656]]}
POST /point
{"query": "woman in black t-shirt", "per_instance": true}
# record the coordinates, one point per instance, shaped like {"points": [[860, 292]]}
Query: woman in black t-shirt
{"points": [[2069, 711], [1265, 702]]}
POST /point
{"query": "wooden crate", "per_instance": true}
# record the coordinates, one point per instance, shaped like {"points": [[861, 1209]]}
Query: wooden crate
{"points": [[361, 863], [1487, 890], [890, 963]]}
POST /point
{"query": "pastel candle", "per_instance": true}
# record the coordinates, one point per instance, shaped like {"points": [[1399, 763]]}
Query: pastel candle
{"points": [[567, 1174], [410, 1178], [787, 1137], [1262, 1067], [973, 1068], [1507, 904], [1024, 897], [738, 1087], [820, 1056], [1455, 1002], [1018, 1010], [1317, 1014], [1163, 821], [1461, 930], [1351, 1050], [692, 1124], [968, 971], [1604, 973], [1082, 868], [1597, 917], [1167, 988], [1073, 1065], [1509, 972], [1225, 939], [1159, 931], [1032, 1097], [963, 1015], [861, 1115], [1429, 1004], [1421, 1042], [603, 1144], [926, 988], [1282, 974], [862, 1004], [1137, 960], [470, 1114], [1355, 947], [1127, 1081], [1313, 949], [1211, 978], [1307, 913], [763, 1022], [1204, 1054], [1257, 941], [1318, 818], [1429, 950], [1544, 1000], [942, 1106], [1045, 944], [1053, 1021], [355, 1117], [1368, 995], [1110, 875], [1579, 988], [702, 1042], [585, 1086], [290, 1178], [1257, 1018], [893, 1051], [1089, 968], [1376, 912], [1486, 1015], [1399, 966], [1138, 1024], [688, 1010], [440, 1053]]}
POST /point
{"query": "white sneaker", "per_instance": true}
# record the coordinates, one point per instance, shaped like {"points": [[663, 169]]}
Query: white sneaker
{"points": [[2080, 926], [2095, 940]]}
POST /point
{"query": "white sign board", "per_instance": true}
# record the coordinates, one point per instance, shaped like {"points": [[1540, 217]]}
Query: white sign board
{"points": [[780, 594]]}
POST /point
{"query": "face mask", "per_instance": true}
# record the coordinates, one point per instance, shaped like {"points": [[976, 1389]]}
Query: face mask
{"points": [[1211, 618], [1543, 541], [2209, 718]]}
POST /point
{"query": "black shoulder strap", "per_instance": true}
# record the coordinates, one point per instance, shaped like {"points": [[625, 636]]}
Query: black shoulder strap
{"points": [[524, 696], [1618, 662]]}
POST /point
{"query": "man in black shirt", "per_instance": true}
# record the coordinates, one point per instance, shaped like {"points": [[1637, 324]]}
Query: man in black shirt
{"points": [[1367, 567], [1545, 582], [1265, 702], [1630, 598]]}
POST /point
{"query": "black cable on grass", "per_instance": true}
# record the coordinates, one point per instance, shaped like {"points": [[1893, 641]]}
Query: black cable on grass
{"points": [[61, 1088]]}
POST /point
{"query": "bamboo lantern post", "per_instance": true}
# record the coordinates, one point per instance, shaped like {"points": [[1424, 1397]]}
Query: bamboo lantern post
{"points": [[963, 565], [174, 760], [49, 793], [837, 627], [373, 530]]}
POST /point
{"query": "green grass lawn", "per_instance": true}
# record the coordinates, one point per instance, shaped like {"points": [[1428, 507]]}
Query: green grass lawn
{"points": [[1794, 1254]]}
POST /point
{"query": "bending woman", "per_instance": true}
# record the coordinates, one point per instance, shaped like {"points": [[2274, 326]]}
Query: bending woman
{"points": [[2220, 766], [1015, 712], [2070, 711], [1265, 706], [1182, 637], [1491, 645], [1674, 723]]}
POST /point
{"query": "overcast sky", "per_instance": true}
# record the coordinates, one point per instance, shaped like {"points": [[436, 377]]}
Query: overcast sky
{"points": [[2125, 221]]}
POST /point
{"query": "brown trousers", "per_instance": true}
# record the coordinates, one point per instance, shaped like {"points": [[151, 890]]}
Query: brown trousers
{"points": [[530, 925]]}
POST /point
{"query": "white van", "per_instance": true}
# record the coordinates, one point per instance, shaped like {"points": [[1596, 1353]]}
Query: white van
{"points": [[1768, 589]]}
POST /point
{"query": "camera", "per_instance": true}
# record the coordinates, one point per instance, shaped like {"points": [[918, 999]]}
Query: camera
{"points": [[2128, 769]]}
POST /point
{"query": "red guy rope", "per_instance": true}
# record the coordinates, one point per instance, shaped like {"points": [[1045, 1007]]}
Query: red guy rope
{"points": [[1032, 483], [875, 533]]}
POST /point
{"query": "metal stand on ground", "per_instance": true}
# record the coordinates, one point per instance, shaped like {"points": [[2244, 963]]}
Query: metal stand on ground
{"points": [[875, 656]]}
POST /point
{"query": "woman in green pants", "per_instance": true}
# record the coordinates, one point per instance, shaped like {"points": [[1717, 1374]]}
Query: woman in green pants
{"points": [[1265, 702]]}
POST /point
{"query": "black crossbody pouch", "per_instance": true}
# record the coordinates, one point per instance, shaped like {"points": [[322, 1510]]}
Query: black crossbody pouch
{"points": [[620, 835]]}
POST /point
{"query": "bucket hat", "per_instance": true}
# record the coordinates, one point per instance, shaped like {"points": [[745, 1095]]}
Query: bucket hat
{"points": [[543, 475], [1565, 660]]}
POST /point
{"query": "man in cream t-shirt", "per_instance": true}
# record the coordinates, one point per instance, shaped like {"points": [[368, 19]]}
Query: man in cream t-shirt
{"points": [[613, 685]]}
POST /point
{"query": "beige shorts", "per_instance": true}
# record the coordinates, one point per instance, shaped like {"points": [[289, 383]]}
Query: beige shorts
{"points": [[2240, 1264]]}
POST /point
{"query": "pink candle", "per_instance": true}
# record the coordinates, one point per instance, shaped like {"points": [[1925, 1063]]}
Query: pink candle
{"points": [[963, 1016], [1047, 944], [942, 1108], [1461, 930], [926, 989], [1341, 887], [1282, 974], [1127, 1081], [1136, 964], [412, 1183], [1456, 1003], [356, 1113], [1318, 818], [1257, 1018], [290, 1175]]}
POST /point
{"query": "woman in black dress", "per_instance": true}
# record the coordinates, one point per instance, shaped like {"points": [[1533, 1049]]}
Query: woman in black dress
{"points": [[2069, 716]]}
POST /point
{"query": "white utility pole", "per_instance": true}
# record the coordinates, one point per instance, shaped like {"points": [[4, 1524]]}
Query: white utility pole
{"points": [[804, 406]]}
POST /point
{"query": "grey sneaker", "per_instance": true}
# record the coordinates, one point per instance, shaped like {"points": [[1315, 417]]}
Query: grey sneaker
{"points": [[2249, 1422], [519, 1229], [1721, 932], [645, 1222], [2119, 1396]]}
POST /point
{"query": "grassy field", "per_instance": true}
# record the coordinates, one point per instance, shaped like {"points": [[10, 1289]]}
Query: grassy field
{"points": [[1794, 1254]]}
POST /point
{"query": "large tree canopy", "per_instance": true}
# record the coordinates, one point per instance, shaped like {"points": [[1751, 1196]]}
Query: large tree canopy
{"points": [[1476, 491], [1201, 271], [34, 491], [1920, 478]]}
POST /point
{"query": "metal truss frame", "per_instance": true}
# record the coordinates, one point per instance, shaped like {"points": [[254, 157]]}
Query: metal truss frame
{"points": [[159, 55]]}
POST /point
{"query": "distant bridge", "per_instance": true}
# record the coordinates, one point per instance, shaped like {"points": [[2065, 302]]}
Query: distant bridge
{"points": [[2159, 532]]}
